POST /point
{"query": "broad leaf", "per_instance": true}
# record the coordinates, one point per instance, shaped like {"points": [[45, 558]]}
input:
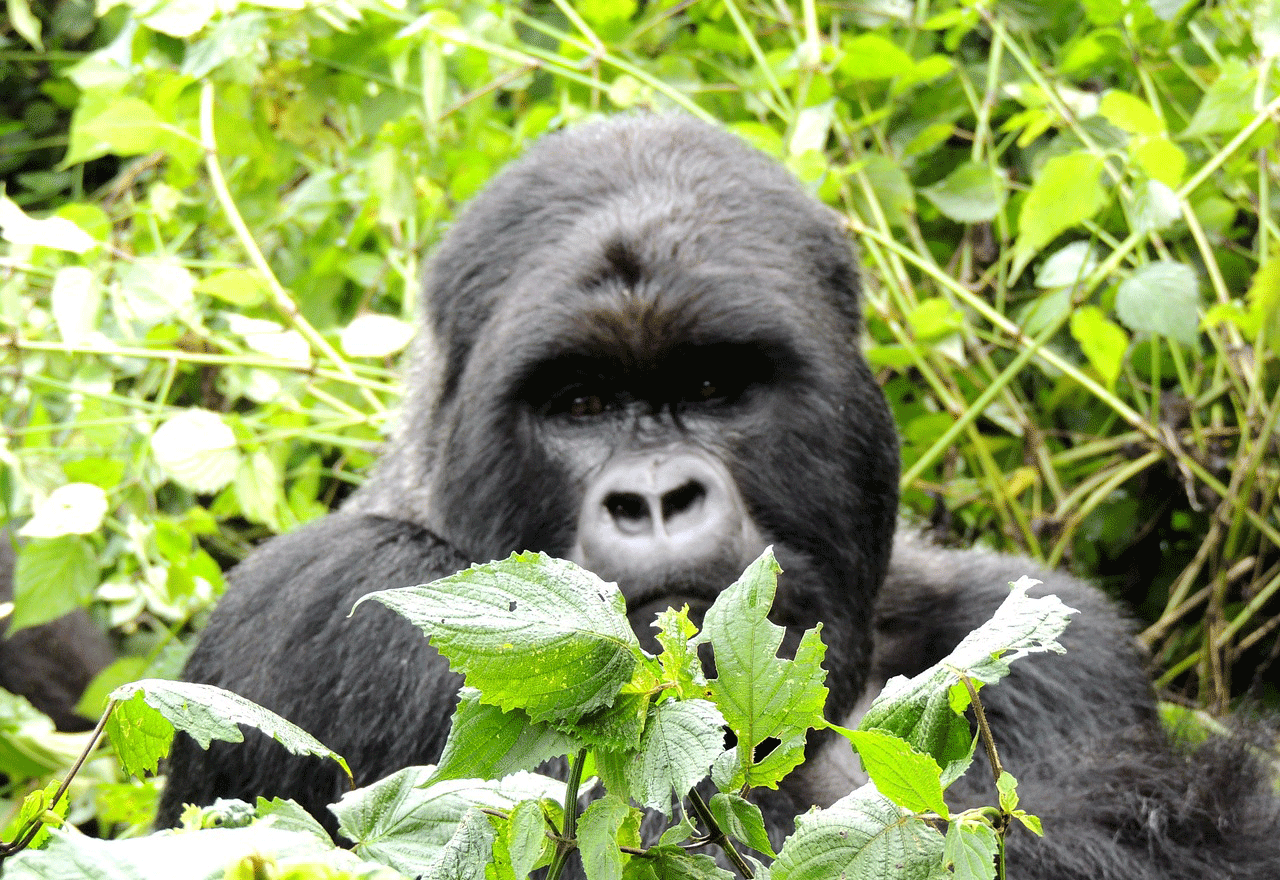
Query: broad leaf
{"points": [[405, 822], [925, 710], [1162, 297], [862, 836], [528, 632], [147, 712], [761, 695]]}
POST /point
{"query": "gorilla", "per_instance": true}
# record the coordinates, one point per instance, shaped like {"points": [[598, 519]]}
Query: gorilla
{"points": [[640, 351]]}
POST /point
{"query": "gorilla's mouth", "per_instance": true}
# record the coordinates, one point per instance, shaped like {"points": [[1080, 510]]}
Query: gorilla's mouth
{"points": [[643, 609]]}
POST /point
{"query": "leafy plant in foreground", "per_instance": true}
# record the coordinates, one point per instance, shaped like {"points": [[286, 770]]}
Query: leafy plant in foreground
{"points": [[553, 669]]}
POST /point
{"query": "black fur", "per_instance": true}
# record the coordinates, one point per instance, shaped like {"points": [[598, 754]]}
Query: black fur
{"points": [[557, 403]]}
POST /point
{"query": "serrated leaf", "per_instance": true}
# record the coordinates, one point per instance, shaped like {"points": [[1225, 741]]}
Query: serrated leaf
{"points": [[1067, 192], [741, 820], [970, 194], [526, 838], [529, 632], [1103, 342], [465, 855], [191, 855], [906, 776], [681, 740], [971, 849], [147, 712], [863, 835], [672, 862], [679, 659], [196, 449], [761, 695], [497, 743], [598, 832], [922, 709], [52, 576], [404, 822], [1161, 298]]}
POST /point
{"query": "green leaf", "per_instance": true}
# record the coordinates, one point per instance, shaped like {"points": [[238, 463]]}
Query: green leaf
{"points": [[76, 299], [52, 577], [1227, 105], [671, 862], [196, 449], [405, 822], [741, 820], [1163, 298], [529, 632], [239, 287], [147, 712], [526, 840], [598, 832], [1067, 192], [16, 227], [1103, 342], [375, 336], [860, 836], [970, 194], [906, 776], [1068, 266], [935, 318], [488, 743], [465, 855], [679, 659], [925, 710], [681, 740], [971, 848], [1155, 207], [26, 24], [73, 509], [189, 855], [761, 695], [1130, 113], [122, 126], [153, 291], [869, 56]]}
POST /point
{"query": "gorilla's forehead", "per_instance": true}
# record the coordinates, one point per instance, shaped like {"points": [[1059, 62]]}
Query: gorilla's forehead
{"points": [[654, 210]]}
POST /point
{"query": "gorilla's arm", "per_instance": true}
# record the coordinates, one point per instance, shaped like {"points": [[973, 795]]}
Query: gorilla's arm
{"points": [[1117, 797], [369, 686]]}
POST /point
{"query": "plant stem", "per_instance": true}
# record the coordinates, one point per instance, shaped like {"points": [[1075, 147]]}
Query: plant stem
{"points": [[716, 835], [567, 842]]}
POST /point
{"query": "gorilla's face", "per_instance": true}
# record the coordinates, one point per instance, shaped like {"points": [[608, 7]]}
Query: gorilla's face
{"points": [[652, 368]]}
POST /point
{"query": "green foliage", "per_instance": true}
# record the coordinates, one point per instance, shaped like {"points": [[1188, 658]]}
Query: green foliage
{"points": [[487, 621], [214, 216]]}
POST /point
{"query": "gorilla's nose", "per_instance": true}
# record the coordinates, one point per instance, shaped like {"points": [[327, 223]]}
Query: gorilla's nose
{"points": [[660, 516]]}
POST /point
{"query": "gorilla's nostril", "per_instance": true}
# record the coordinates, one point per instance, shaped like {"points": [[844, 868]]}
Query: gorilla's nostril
{"points": [[627, 508], [685, 499]]}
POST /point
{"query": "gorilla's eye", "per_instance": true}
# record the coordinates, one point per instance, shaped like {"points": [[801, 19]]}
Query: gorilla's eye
{"points": [[708, 390], [585, 405]]}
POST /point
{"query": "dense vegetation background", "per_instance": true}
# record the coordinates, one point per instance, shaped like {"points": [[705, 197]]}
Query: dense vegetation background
{"points": [[215, 215]]}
